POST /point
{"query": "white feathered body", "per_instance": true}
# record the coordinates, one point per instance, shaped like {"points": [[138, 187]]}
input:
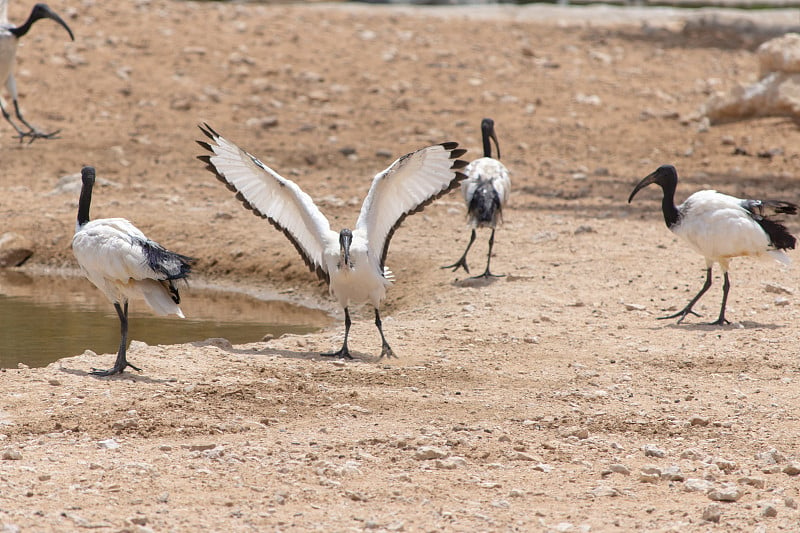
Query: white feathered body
{"points": [[365, 281], [719, 228], [483, 176], [110, 254]]}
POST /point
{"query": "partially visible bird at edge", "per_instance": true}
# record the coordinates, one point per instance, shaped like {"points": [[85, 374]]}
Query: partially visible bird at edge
{"points": [[351, 262], [9, 38], [485, 192], [720, 227], [120, 261]]}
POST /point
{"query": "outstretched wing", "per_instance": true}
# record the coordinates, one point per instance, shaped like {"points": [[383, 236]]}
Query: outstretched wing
{"points": [[272, 197], [406, 187]]}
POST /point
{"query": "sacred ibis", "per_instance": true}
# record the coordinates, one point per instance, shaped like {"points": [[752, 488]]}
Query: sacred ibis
{"points": [[9, 37], [720, 227], [120, 261], [485, 193], [351, 262]]}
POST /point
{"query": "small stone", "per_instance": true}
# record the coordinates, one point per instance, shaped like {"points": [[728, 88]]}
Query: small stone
{"points": [[522, 456], [725, 465], [44, 477], [698, 420], [792, 468], [777, 289], [757, 482], [542, 467], [108, 444], [14, 249], [54, 382], [604, 491], [771, 457], [789, 502], [634, 307], [727, 493], [672, 473], [450, 463], [769, 510], [620, 469], [712, 513], [697, 485], [425, 453], [12, 455], [651, 450], [692, 453]]}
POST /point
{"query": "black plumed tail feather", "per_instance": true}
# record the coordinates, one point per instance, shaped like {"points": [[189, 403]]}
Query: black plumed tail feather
{"points": [[484, 206], [761, 211]]}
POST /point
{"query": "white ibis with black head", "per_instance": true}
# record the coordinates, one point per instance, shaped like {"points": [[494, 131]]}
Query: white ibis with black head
{"points": [[9, 38], [120, 261], [720, 227], [485, 193], [351, 262]]}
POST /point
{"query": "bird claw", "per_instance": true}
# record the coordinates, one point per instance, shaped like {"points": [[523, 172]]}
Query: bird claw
{"points": [[459, 264], [721, 321], [487, 275], [344, 353], [36, 134], [387, 352], [117, 369], [682, 314]]}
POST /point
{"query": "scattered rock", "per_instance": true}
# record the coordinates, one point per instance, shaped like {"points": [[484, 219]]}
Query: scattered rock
{"points": [[727, 493], [792, 468], [777, 289], [12, 455], [651, 450], [108, 444], [602, 491], [757, 482], [426, 453], [712, 513], [698, 420], [769, 510], [14, 249], [672, 473], [634, 307], [697, 485], [620, 469]]}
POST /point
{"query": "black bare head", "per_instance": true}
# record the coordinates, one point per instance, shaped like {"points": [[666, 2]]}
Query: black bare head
{"points": [[345, 240], [87, 177], [40, 11], [666, 177], [487, 131]]}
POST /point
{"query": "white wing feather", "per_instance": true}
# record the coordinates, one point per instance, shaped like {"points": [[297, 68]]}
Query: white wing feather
{"points": [[274, 197], [3, 11], [406, 186]]}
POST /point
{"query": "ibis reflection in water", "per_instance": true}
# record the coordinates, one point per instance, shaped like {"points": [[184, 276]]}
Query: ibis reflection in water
{"points": [[720, 227], [46, 316]]}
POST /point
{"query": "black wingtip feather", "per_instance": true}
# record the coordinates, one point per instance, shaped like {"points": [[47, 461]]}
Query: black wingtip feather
{"points": [[457, 153], [450, 145]]}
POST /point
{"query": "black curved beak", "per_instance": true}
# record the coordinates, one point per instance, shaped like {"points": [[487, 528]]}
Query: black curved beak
{"points": [[345, 240], [494, 138], [648, 180], [44, 11]]}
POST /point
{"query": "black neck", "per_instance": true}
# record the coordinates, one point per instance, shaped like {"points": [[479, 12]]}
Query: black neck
{"points": [[25, 28], [668, 207], [86, 197], [487, 145]]}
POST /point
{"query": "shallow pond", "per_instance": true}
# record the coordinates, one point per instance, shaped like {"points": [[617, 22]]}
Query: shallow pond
{"points": [[45, 318]]}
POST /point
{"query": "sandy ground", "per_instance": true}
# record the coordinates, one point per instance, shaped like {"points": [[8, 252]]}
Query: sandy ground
{"points": [[548, 400]]}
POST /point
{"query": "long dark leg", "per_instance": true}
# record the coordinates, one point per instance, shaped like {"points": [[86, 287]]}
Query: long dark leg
{"points": [[386, 350], [688, 309], [33, 133], [7, 116], [726, 286], [486, 273], [121, 363], [344, 352], [463, 261]]}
